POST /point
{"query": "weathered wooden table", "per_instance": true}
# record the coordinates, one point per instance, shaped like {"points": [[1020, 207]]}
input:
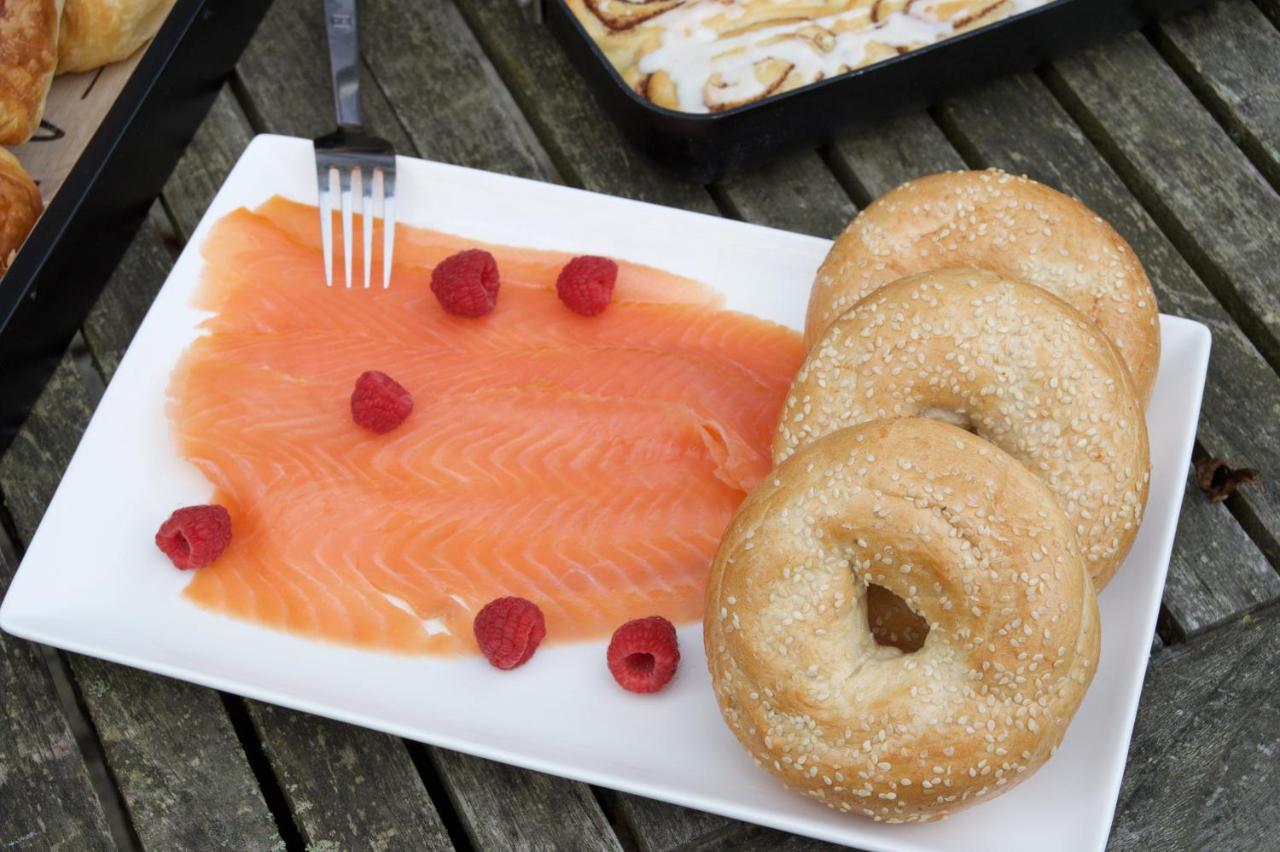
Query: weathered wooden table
{"points": [[1173, 135]]}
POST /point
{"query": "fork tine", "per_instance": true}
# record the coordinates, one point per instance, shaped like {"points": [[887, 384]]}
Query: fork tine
{"points": [[366, 216], [388, 222], [323, 181], [344, 185]]}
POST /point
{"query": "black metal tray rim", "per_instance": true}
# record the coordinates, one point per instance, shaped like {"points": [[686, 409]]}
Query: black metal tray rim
{"points": [[712, 117]]}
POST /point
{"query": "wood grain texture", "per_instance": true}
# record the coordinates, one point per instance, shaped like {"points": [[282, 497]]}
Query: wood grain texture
{"points": [[755, 838], [199, 174], [1238, 418], [873, 161], [47, 800], [1203, 767], [204, 166], [1218, 572], [142, 270], [284, 73], [503, 807], [445, 90], [660, 827], [176, 758], [796, 193], [1218, 209], [348, 788], [1229, 54], [33, 464], [588, 151], [170, 746]]}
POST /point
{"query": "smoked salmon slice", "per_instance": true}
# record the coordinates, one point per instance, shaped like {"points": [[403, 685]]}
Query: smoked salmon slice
{"points": [[587, 464]]}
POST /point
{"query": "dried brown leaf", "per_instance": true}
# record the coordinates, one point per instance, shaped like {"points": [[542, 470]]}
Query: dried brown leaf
{"points": [[1219, 480]]}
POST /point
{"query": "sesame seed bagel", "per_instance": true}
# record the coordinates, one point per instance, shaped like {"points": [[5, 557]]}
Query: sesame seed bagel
{"points": [[1011, 225], [1009, 361], [972, 542]]}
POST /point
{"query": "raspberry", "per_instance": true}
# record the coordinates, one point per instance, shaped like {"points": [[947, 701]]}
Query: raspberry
{"points": [[379, 403], [643, 654], [508, 631], [466, 283], [585, 284], [195, 536]]}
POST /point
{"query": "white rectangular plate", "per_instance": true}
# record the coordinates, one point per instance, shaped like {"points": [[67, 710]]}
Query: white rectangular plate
{"points": [[93, 582]]}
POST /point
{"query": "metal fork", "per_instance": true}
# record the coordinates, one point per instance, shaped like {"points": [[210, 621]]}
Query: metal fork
{"points": [[349, 151]]}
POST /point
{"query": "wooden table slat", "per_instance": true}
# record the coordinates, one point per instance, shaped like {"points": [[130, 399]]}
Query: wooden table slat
{"points": [[214, 149], [348, 788], [426, 50], [285, 76], [109, 327], [660, 827], [1203, 763], [1230, 54], [756, 838], [169, 745], [1217, 572], [881, 157], [1216, 207], [796, 193], [503, 807], [46, 795]]}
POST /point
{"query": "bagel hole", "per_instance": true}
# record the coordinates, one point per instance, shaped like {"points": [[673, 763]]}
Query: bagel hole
{"points": [[640, 663], [950, 415], [892, 622]]}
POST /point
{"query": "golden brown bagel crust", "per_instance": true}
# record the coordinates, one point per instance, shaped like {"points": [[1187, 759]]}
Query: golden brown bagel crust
{"points": [[99, 32], [1016, 365], [975, 544], [20, 206], [1011, 225], [28, 56]]}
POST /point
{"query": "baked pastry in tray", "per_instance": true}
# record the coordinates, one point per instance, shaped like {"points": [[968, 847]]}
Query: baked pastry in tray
{"points": [[714, 55], [28, 58], [19, 207], [703, 56], [99, 32]]}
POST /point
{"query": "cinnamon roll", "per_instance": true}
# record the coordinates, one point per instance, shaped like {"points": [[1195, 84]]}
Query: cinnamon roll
{"points": [[715, 55]]}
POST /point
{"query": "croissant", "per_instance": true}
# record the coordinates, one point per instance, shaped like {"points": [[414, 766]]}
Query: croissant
{"points": [[99, 32], [20, 206], [28, 58]]}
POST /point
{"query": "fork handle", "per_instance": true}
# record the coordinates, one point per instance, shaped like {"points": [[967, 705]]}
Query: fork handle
{"points": [[344, 59]]}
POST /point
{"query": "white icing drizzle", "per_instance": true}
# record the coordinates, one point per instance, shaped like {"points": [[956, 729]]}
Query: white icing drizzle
{"points": [[693, 55]]}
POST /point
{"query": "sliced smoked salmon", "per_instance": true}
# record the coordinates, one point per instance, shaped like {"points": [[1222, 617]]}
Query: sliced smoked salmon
{"points": [[587, 464]]}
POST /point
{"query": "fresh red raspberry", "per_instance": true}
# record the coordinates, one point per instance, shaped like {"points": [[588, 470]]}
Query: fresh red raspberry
{"points": [[466, 283], [508, 631], [195, 536], [585, 284], [379, 403], [643, 654]]}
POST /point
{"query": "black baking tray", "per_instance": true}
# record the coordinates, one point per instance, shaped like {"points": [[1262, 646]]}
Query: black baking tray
{"points": [[77, 242], [706, 147]]}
